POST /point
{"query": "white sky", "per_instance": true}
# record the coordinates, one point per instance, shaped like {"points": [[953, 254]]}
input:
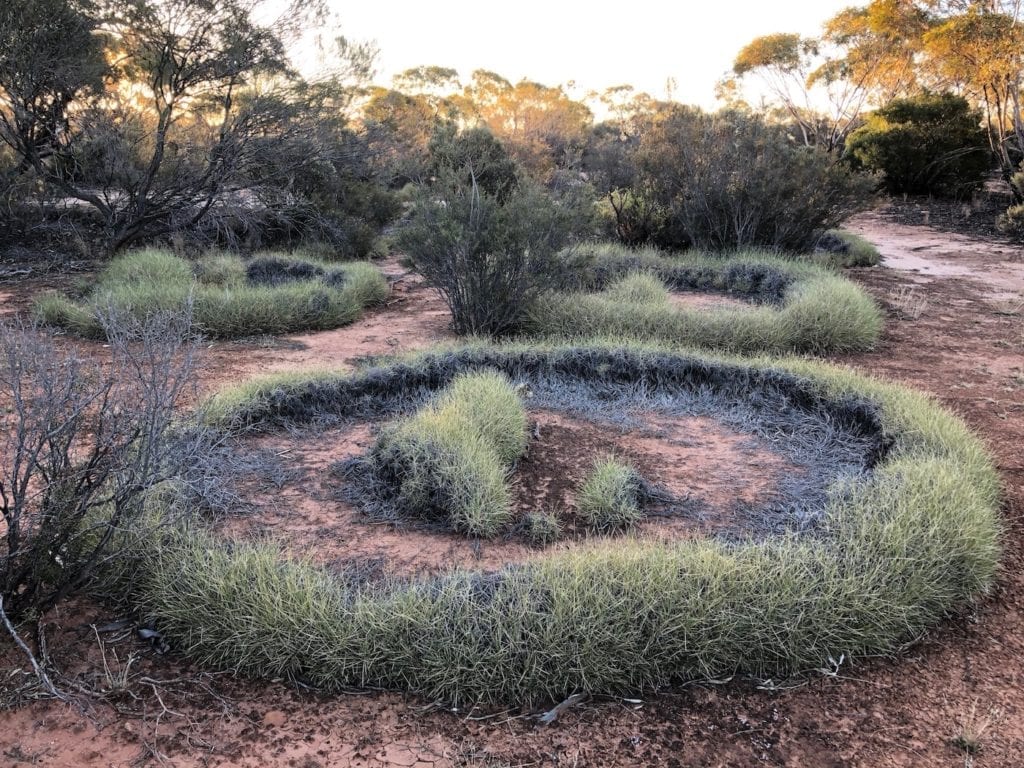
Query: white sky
{"points": [[597, 44]]}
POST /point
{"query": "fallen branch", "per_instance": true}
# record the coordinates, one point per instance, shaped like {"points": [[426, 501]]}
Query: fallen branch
{"points": [[40, 673]]}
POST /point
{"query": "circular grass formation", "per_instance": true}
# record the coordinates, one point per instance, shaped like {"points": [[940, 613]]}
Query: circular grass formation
{"points": [[795, 306], [227, 296], [893, 550]]}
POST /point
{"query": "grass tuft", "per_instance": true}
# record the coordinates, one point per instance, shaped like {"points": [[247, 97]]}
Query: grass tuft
{"points": [[542, 529], [843, 250], [609, 499], [449, 462]]}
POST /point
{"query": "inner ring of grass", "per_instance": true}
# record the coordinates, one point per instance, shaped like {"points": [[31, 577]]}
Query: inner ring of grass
{"points": [[796, 306], [896, 551]]}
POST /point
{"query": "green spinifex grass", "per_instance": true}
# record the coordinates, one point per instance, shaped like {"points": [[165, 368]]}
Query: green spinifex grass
{"points": [[450, 461], [609, 499], [895, 551], [859, 253], [222, 302], [800, 307]]}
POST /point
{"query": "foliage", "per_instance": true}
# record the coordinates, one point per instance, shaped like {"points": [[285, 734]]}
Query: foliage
{"points": [[891, 49], [489, 252], [449, 461], [731, 180], [474, 156], [897, 550], [1012, 222], [609, 499], [52, 56], [205, 131], [788, 65], [224, 301], [543, 128], [931, 144], [980, 50]]}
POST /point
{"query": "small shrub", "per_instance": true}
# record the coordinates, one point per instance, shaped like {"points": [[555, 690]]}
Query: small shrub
{"points": [[449, 462], [82, 444], [542, 529], [932, 144], [1012, 222], [609, 499], [489, 248], [474, 155]]}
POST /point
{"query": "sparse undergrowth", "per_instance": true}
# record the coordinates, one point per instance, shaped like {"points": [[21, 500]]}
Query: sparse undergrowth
{"points": [[893, 552], [801, 307], [226, 296]]}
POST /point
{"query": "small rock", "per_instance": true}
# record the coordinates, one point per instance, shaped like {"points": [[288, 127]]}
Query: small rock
{"points": [[275, 718]]}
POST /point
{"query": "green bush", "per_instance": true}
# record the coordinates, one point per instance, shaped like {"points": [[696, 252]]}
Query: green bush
{"points": [[932, 144], [489, 248], [732, 180], [1012, 222], [474, 155], [896, 550], [223, 303], [803, 308], [609, 499], [449, 462]]}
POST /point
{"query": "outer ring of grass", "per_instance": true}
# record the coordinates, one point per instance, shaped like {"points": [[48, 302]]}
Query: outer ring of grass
{"points": [[807, 308], [221, 303], [899, 551]]}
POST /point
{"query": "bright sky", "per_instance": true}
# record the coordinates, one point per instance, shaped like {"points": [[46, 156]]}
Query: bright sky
{"points": [[596, 44]]}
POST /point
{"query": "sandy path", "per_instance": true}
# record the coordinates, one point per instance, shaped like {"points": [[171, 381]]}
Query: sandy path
{"points": [[998, 268]]}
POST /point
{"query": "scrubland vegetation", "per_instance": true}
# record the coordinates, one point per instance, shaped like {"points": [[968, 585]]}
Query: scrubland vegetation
{"points": [[229, 196], [794, 307], [893, 552], [224, 296]]}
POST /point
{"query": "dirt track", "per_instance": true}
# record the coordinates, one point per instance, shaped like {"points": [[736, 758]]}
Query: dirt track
{"points": [[954, 328]]}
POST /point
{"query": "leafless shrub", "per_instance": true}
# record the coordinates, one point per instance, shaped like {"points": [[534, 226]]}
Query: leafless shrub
{"points": [[909, 302], [89, 448]]}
